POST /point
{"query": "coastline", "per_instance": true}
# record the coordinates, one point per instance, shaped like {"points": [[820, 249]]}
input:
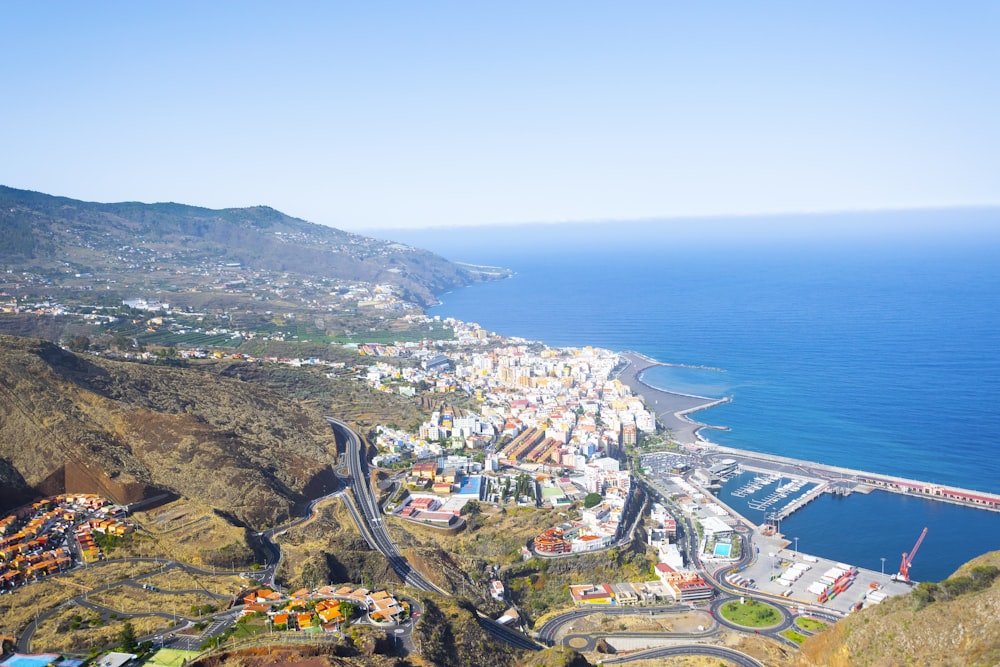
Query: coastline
{"points": [[672, 409]]}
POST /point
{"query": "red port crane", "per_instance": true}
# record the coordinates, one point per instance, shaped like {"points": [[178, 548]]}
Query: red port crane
{"points": [[904, 567]]}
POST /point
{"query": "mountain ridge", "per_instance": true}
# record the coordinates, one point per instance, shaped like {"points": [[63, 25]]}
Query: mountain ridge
{"points": [[46, 233]]}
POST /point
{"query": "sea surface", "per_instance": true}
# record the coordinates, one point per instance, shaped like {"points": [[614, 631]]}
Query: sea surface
{"points": [[874, 351]]}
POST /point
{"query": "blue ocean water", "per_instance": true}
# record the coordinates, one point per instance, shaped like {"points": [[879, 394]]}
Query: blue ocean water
{"points": [[880, 353]]}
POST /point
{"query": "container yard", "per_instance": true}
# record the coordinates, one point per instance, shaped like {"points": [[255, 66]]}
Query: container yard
{"points": [[813, 580]]}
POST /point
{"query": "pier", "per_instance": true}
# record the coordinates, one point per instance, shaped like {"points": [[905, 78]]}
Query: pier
{"points": [[673, 410], [800, 502], [844, 481]]}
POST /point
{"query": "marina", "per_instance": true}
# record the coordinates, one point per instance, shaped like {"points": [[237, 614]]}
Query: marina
{"points": [[755, 485], [779, 494], [674, 411], [776, 566]]}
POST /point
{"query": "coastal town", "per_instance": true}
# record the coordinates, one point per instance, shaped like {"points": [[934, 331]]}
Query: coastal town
{"points": [[571, 431]]}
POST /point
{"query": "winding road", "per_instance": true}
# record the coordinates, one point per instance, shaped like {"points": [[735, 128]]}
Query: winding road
{"points": [[23, 644], [368, 514], [364, 508], [741, 659]]}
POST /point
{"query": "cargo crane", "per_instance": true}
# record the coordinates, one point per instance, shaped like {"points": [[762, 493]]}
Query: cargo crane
{"points": [[904, 567]]}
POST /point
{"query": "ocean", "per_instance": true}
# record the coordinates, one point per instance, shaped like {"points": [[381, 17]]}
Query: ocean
{"points": [[870, 341]]}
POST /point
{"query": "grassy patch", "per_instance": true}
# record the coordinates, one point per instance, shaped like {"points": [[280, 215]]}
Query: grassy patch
{"points": [[176, 579], [810, 624], [249, 628], [129, 600], [794, 636], [19, 607], [752, 614], [76, 629], [186, 531], [171, 657]]}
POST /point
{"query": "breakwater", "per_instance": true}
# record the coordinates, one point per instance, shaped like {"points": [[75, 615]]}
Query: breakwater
{"points": [[673, 409]]}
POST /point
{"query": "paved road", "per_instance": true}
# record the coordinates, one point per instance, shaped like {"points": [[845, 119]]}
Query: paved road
{"points": [[368, 514], [741, 659], [371, 513], [551, 628], [83, 600]]}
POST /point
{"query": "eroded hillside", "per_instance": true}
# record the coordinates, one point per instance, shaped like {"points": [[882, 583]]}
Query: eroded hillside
{"points": [[950, 623], [81, 423]]}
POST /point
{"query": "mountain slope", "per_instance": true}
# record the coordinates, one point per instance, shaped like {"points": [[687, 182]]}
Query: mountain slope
{"points": [[44, 233], [951, 623], [129, 431]]}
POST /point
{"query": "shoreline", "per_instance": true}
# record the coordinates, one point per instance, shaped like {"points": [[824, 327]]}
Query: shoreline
{"points": [[672, 409]]}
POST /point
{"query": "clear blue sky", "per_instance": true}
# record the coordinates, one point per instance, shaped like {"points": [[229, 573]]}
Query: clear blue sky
{"points": [[368, 115]]}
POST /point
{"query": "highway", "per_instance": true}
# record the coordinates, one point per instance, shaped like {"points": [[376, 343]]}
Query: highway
{"points": [[368, 514], [372, 525]]}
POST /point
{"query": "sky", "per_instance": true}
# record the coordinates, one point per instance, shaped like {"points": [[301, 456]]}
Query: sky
{"points": [[381, 115]]}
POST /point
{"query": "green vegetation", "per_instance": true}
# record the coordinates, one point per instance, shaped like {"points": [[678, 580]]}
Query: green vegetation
{"points": [[540, 585], [349, 611], [592, 500], [194, 340], [78, 343], [794, 636], [126, 638], [108, 543], [810, 624], [978, 579], [752, 614], [202, 609]]}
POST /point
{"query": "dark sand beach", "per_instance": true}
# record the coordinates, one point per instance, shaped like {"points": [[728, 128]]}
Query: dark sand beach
{"points": [[671, 409]]}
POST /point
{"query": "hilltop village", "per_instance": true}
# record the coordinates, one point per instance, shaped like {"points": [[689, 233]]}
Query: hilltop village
{"points": [[50, 535]]}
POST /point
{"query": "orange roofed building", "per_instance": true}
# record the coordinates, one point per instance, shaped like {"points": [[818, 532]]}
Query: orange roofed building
{"points": [[592, 594]]}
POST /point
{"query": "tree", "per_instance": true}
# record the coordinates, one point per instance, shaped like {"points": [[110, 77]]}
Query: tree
{"points": [[348, 610], [126, 638], [79, 343], [592, 500], [121, 343]]}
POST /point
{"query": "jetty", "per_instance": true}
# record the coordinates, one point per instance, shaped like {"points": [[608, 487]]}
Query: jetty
{"points": [[844, 481], [673, 409], [800, 502]]}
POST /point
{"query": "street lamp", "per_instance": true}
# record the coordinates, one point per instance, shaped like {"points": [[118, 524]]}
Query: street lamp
{"points": [[796, 547], [883, 566]]}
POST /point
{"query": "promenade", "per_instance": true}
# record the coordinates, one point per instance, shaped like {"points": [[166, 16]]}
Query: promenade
{"points": [[672, 409]]}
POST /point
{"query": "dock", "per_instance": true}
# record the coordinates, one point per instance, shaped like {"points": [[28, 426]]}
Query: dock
{"points": [[816, 585], [844, 481], [673, 412], [800, 502]]}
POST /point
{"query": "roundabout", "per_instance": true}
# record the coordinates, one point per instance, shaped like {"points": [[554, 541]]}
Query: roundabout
{"points": [[751, 614]]}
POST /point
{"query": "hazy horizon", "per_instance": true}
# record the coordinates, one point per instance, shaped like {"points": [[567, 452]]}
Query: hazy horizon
{"points": [[372, 117], [863, 231]]}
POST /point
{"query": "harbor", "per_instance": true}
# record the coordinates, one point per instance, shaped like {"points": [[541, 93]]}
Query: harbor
{"points": [[776, 567], [673, 412], [766, 492], [838, 480]]}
